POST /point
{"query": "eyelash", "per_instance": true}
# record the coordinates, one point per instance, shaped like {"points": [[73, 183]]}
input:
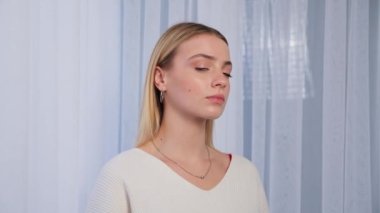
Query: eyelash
{"points": [[228, 75], [201, 69]]}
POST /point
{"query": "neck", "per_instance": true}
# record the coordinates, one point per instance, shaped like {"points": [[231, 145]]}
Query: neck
{"points": [[182, 138]]}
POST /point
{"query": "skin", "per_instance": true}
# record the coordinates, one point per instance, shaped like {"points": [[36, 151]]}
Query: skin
{"points": [[196, 86]]}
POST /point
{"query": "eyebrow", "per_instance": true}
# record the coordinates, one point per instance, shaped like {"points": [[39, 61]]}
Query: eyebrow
{"points": [[209, 57]]}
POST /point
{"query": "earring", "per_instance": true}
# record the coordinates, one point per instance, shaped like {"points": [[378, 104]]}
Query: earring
{"points": [[161, 96]]}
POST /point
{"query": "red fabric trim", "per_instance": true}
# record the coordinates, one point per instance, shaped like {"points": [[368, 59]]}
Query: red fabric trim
{"points": [[229, 163]]}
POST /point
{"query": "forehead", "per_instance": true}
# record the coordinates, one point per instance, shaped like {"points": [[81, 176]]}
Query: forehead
{"points": [[204, 44]]}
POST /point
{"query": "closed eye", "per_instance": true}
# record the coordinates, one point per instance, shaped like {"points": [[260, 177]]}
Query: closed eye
{"points": [[201, 68], [227, 74]]}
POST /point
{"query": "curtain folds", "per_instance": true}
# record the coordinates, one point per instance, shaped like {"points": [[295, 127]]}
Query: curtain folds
{"points": [[304, 102], [346, 144], [60, 91]]}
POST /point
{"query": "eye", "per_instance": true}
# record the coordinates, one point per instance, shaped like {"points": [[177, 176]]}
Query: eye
{"points": [[201, 68], [227, 74]]}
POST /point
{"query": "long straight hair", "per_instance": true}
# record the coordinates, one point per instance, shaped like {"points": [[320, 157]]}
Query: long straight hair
{"points": [[162, 56]]}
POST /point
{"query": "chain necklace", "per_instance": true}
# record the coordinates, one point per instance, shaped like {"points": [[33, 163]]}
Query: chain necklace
{"points": [[202, 177]]}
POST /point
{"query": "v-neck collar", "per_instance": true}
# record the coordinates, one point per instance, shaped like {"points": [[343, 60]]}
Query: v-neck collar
{"points": [[182, 179]]}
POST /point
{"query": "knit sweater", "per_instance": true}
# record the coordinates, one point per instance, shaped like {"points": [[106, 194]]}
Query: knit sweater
{"points": [[137, 182]]}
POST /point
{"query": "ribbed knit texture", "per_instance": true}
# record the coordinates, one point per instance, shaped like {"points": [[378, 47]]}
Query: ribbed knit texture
{"points": [[135, 181]]}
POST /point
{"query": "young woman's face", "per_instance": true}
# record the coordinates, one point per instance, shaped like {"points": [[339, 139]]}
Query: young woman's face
{"points": [[197, 81]]}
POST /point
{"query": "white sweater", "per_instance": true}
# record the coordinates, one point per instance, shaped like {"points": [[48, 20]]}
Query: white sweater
{"points": [[137, 182]]}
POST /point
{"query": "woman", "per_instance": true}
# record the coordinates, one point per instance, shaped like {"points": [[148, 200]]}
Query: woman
{"points": [[175, 167]]}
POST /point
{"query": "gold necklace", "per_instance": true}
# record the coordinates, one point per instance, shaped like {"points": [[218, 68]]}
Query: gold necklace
{"points": [[202, 177]]}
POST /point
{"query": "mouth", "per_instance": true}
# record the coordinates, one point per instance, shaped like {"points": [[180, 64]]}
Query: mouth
{"points": [[217, 99]]}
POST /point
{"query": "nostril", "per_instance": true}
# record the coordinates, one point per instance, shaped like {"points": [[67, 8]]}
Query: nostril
{"points": [[219, 83], [220, 80]]}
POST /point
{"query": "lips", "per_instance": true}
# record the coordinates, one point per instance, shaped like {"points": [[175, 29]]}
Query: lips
{"points": [[218, 99]]}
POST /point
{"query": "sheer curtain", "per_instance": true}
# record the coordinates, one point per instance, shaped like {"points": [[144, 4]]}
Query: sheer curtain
{"points": [[315, 140], [304, 104], [60, 100]]}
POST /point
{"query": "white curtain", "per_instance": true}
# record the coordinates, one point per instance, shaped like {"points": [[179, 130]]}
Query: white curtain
{"points": [[60, 100], [304, 104], [314, 114]]}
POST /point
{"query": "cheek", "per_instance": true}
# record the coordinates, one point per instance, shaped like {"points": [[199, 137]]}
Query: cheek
{"points": [[192, 86], [186, 83], [189, 89]]}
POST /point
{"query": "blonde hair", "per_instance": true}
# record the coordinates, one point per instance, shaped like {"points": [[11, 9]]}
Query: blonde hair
{"points": [[162, 55]]}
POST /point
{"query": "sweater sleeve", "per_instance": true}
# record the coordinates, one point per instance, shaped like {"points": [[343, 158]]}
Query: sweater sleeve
{"points": [[109, 194]]}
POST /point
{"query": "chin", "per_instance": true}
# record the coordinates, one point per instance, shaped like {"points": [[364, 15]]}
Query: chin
{"points": [[211, 115]]}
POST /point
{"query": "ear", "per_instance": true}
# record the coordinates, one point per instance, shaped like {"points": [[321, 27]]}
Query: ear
{"points": [[159, 78]]}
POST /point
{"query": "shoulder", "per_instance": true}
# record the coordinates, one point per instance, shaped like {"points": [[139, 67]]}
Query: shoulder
{"points": [[122, 163], [241, 161], [242, 165], [108, 194], [124, 157], [244, 172], [247, 176]]}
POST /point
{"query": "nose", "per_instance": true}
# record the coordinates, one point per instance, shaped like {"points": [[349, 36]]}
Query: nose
{"points": [[220, 80]]}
